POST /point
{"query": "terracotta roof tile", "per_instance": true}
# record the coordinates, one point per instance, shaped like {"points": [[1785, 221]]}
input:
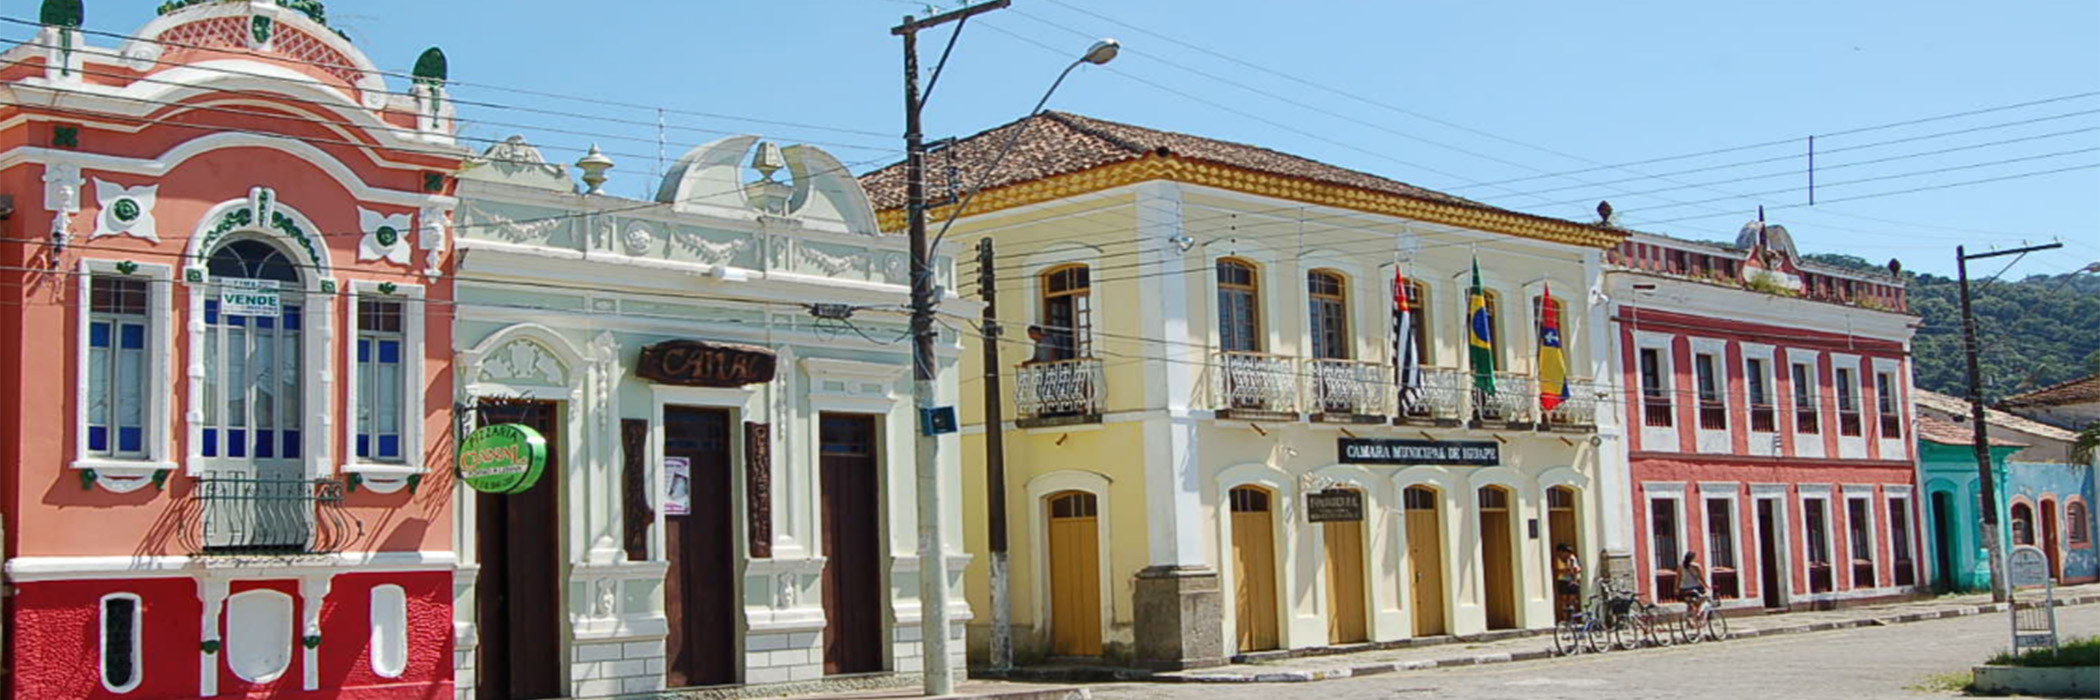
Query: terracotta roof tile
{"points": [[2081, 390], [1950, 433], [1960, 407], [1061, 142]]}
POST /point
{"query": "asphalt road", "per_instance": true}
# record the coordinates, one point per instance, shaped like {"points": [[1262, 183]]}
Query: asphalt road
{"points": [[1872, 662]]}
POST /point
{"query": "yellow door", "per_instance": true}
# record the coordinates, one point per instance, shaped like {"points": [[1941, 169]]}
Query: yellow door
{"points": [[1498, 582], [1253, 569], [1075, 575], [1425, 560], [1345, 581]]}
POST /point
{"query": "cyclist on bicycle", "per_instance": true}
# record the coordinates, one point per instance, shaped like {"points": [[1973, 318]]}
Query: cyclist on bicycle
{"points": [[1691, 583]]}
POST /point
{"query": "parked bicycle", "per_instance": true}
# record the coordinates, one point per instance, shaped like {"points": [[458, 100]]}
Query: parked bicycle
{"points": [[1579, 631]]}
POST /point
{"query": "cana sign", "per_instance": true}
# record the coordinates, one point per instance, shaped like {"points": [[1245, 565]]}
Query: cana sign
{"points": [[502, 458], [244, 297]]}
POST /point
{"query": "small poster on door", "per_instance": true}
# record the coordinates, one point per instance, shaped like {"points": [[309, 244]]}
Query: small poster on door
{"points": [[678, 485]]}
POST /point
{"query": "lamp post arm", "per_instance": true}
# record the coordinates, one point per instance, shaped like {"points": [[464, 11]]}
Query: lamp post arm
{"points": [[1011, 141]]}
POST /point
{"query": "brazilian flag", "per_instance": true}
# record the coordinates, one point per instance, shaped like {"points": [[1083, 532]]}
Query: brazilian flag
{"points": [[1480, 334]]}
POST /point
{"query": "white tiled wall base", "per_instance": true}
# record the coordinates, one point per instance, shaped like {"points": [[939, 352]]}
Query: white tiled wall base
{"points": [[463, 674], [611, 668]]}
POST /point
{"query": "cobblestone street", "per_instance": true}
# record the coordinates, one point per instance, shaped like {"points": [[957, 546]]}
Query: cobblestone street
{"points": [[1867, 662]]}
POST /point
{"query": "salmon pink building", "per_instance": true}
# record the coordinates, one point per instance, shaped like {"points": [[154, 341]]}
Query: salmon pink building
{"points": [[1768, 421], [225, 308]]}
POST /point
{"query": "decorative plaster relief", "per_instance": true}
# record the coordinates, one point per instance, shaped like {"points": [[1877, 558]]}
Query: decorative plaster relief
{"points": [[436, 234], [259, 634], [385, 237], [638, 240], [389, 630], [126, 211], [61, 197], [524, 361], [513, 230], [710, 251], [831, 264]]}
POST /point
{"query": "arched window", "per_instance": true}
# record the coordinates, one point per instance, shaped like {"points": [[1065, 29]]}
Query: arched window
{"points": [[1239, 307], [1067, 313], [2022, 523], [2081, 526], [253, 383], [1328, 314]]}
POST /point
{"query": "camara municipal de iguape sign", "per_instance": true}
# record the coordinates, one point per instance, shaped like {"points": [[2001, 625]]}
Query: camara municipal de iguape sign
{"points": [[502, 458], [1478, 453]]}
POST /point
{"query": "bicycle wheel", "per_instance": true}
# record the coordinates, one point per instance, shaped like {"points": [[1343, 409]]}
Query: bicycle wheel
{"points": [[1716, 625], [1691, 626], [1655, 628], [1594, 637], [1567, 638], [1626, 631]]}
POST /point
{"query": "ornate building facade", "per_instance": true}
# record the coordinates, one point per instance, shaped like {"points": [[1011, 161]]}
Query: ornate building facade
{"points": [[227, 312], [729, 493]]}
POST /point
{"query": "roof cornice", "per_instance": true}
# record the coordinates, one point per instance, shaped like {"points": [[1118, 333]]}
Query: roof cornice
{"points": [[1197, 172]]}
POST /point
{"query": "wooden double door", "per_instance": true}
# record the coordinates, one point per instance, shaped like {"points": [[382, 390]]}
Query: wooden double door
{"points": [[517, 596], [700, 598]]}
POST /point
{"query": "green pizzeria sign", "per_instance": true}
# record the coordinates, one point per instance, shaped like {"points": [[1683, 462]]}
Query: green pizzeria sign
{"points": [[502, 458]]}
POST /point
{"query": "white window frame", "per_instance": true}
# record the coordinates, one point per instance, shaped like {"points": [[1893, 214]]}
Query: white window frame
{"points": [[1814, 447], [1849, 446], [1763, 442], [1656, 438], [1892, 448], [382, 475], [1802, 494], [1891, 493], [160, 318], [1650, 492], [138, 644], [1712, 440], [1728, 491], [317, 341], [1854, 492]]}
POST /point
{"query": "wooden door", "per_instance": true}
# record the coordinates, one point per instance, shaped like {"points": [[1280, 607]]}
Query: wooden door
{"points": [[700, 600], [853, 584], [2049, 541], [1770, 547], [1943, 574], [1075, 575], [518, 604], [1561, 524], [1345, 581], [1425, 559], [1253, 568], [1498, 559]]}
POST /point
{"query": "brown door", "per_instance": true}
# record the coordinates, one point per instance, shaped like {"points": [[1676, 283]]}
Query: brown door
{"points": [[1425, 559], [1253, 569], [1770, 584], [853, 586], [700, 592], [518, 604], [1345, 581], [1075, 575], [1498, 579], [2049, 541]]}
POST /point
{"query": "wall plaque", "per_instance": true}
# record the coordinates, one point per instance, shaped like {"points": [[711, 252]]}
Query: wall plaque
{"points": [[1334, 505], [700, 363], [1479, 453]]}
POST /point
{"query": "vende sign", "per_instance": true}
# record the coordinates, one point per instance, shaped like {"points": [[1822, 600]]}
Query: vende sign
{"points": [[245, 297], [1479, 453], [502, 458]]}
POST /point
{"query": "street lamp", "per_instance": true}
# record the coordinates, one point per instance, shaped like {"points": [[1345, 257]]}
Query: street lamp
{"points": [[933, 565]]}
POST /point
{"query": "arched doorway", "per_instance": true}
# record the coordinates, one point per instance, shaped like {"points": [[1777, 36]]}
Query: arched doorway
{"points": [[2022, 524], [1562, 530], [1253, 568], [1944, 576], [1344, 541], [1425, 558], [1075, 574], [2050, 539], [1498, 581]]}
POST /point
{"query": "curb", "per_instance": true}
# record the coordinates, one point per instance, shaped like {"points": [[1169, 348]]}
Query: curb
{"points": [[1314, 675]]}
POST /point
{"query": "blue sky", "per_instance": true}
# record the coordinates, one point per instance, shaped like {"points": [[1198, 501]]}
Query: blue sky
{"points": [[1465, 97]]}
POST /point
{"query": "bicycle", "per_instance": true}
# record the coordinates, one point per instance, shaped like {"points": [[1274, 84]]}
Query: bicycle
{"points": [[1707, 623], [1627, 622], [1577, 633]]}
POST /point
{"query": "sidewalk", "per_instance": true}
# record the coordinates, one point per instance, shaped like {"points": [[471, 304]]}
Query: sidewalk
{"points": [[1539, 646], [969, 690]]}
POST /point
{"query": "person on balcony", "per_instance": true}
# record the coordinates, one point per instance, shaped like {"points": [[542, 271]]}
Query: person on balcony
{"points": [[1046, 349]]}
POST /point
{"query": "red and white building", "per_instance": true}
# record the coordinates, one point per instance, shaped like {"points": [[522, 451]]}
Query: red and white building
{"points": [[224, 419], [1768, 422]]}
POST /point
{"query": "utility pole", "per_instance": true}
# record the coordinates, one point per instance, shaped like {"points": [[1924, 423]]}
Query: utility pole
{"points": [[1002, 646], [933, 562], [2000, 591]]}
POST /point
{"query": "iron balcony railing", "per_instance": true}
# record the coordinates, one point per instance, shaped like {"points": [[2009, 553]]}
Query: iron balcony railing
{"points": [[1515, 400], [1578, 411], [242, 515], [1060, 391], [1348, 391], [1254, 385], [1439, 397]]}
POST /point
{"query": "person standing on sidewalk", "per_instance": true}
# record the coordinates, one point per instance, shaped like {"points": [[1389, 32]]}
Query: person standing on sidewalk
{"points": [[1567, 581]]}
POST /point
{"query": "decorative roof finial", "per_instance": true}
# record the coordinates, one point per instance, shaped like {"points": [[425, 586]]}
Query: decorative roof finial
{"points": [[430, 68], [594, 164], [61, 13]]}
